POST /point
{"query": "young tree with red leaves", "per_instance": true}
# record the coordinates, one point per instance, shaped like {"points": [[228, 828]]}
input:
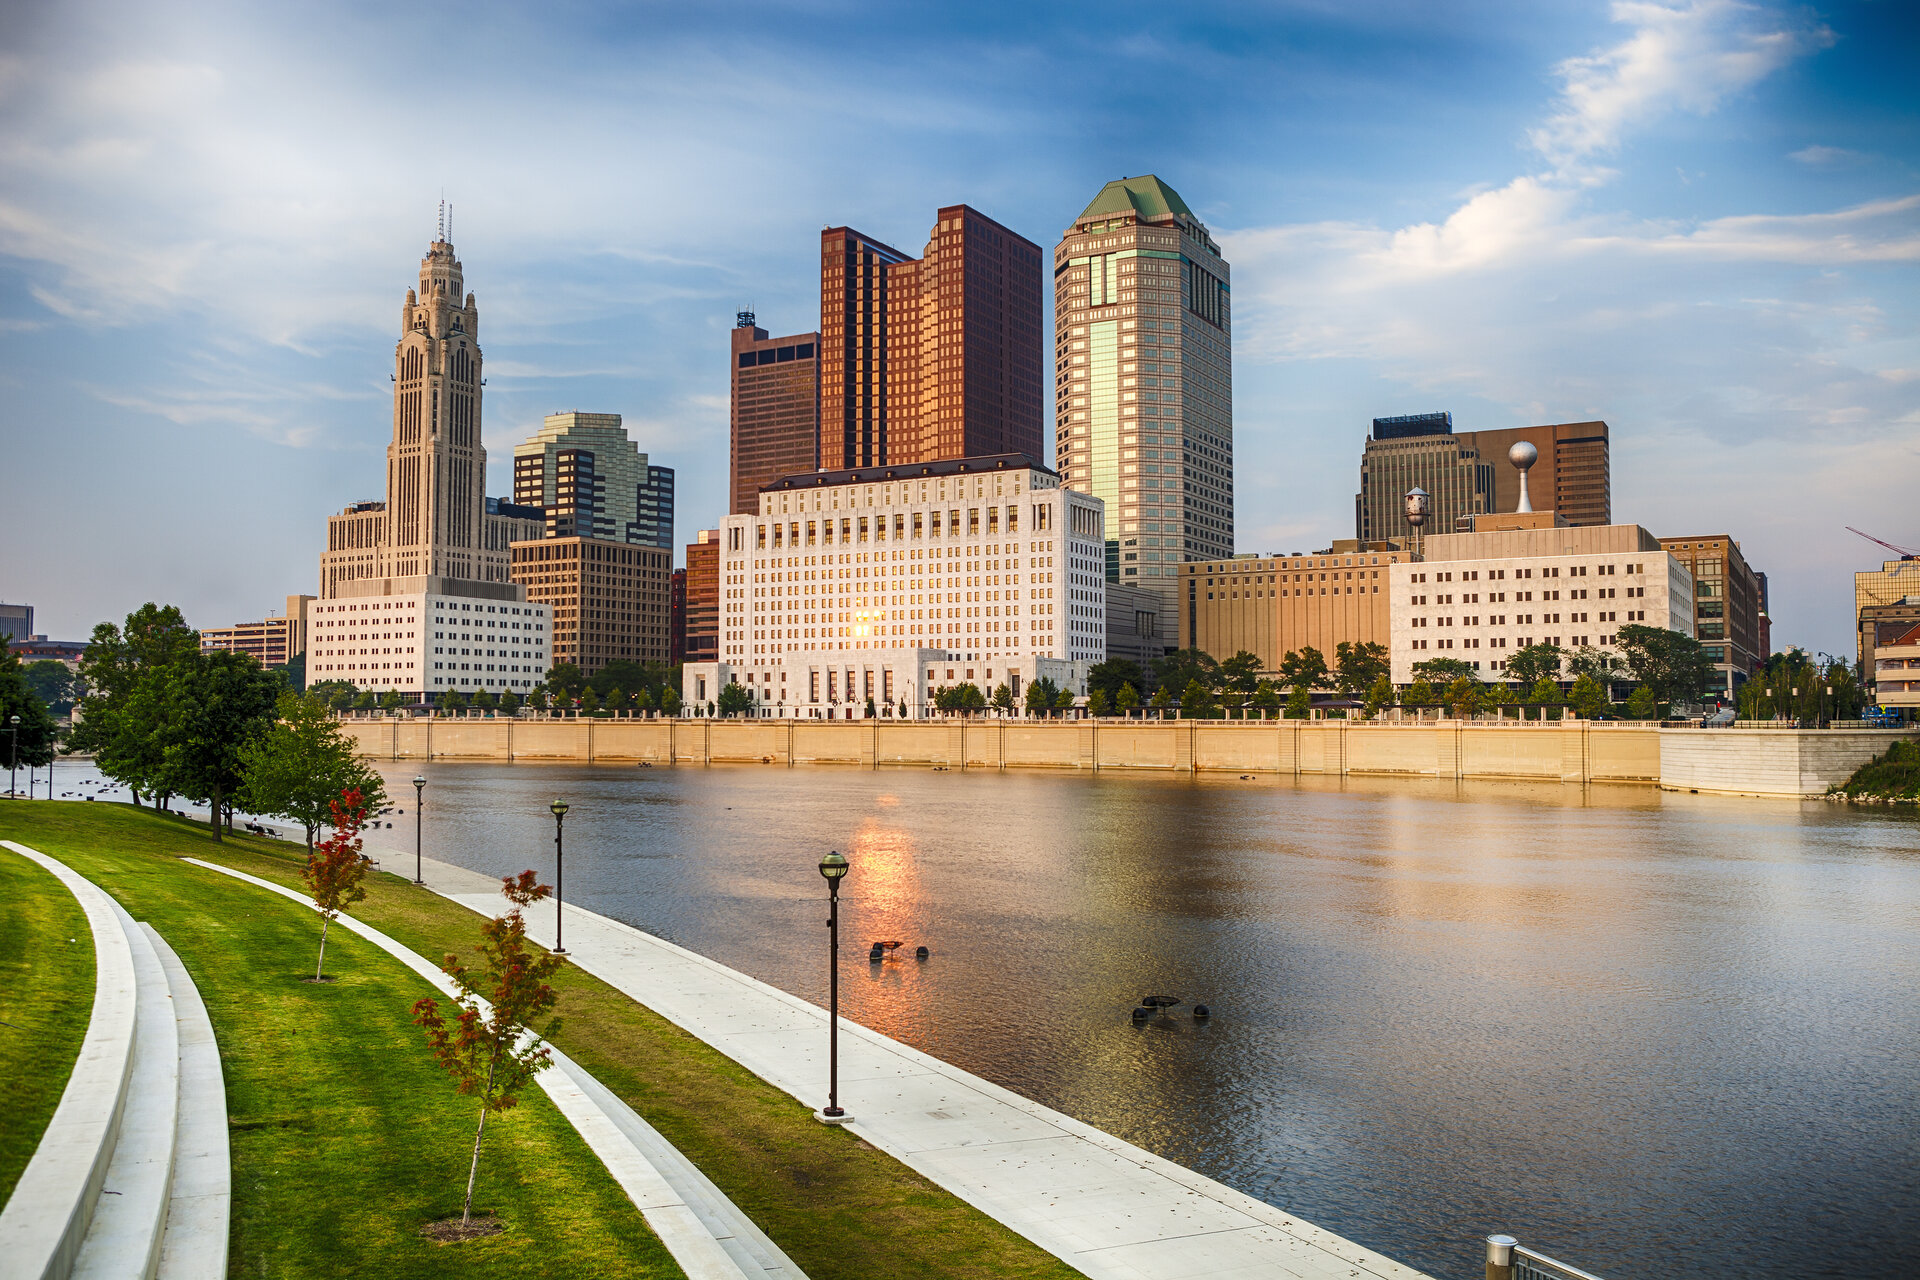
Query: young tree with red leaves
{"points": [[490, 1048], [335, 867]]}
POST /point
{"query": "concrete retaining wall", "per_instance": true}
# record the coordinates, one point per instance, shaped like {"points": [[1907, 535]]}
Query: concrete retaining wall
{"points": [[1781, 762]]}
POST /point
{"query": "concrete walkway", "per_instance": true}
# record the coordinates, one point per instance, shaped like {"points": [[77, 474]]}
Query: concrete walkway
{"points": [[1106, 1207]]}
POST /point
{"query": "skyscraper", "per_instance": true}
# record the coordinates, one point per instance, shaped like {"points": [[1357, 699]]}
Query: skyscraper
{"points": [[433, 521], [1571, 476], [932, 358], [592, 481], [775, 409], [1143, 384]]}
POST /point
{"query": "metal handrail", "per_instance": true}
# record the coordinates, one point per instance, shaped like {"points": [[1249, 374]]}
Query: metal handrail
{"points": [[1531, 1265]]}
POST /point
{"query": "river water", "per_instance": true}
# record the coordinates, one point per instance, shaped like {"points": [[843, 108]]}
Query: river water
{"points": [[1651, 1035]]}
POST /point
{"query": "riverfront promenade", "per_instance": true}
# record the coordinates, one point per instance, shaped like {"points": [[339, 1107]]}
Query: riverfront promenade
{"points": [[1106, 1207], [1764, 762]]}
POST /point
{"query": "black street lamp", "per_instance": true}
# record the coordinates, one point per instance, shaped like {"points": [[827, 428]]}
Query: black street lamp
{"points": [[419, 789], [13, 759], [833, 867], [559, 808]]}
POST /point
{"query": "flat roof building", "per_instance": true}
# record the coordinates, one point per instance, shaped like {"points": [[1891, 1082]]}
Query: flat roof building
{"points": [[1465, 473], [607, 601], [1727, 605], [1271, 606], [1530, 578], [274, 641], [775, 409], [877, 581], [700, 599], [1894, 583]]}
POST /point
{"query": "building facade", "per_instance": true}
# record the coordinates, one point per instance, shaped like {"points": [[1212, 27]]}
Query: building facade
{"points": [[883, 580], [605, 601], [1465, 473], [677, 617], [1275, 605], [1143, 382], [700, 596], [274, 641], [1895, 672], [1138, 627], [589, 479], [16, 621], [430, 643], [433, 522], [1894, 583], [931, 358], [1531, 579], [1727, 605], [775, 414]]}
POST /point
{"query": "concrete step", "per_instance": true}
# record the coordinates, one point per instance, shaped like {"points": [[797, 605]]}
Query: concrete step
{"points": [[123, 1240], [194, 1246]]}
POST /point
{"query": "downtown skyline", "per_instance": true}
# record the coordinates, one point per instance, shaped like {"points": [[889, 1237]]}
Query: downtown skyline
{"points": [[1698, 224]]}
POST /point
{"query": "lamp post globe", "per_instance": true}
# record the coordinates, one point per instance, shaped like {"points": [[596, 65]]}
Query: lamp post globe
{"points": [[559, 810], [834, 867], [419, 794]]}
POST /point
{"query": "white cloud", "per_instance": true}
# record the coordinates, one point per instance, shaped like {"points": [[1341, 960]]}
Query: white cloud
{"points": [[1819, 157], [1686, 57]]}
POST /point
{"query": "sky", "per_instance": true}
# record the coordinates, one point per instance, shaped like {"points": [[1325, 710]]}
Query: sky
{"points": [[1698, 221]]}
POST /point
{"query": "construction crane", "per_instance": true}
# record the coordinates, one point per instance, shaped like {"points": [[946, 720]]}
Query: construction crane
{"points": [[1906, 553]]}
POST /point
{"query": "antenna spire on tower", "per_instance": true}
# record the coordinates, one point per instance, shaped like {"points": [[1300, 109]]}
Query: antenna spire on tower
{"points": [[440, 227]]}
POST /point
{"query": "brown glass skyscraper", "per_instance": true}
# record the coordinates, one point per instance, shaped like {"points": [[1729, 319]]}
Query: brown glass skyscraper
{"points": [[931, 358], [776, 409]]}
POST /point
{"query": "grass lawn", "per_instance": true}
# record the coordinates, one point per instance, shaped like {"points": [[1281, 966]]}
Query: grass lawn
{"points": [[346, 1135], [46, 998], [838, 1206]]}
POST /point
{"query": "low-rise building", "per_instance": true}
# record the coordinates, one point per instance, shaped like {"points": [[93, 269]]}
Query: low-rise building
{"points": [[1896, 657], [605, 600], [275, 640], [1530, 578], [1274, 605], [1138, 628], [1896, 583], [892, 582], [448, 636]]}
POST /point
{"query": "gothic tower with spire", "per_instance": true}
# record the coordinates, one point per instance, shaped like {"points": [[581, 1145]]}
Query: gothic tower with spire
{"points": [[433, 522]]}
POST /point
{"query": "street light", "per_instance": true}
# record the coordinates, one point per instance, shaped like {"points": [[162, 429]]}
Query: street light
{"points": [[833, 867], [559, 808], [419, 788], [13, 761]]}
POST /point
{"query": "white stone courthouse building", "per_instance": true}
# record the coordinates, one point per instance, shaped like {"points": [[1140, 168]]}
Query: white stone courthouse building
{"points": [[889, 583], [1529, 578]]}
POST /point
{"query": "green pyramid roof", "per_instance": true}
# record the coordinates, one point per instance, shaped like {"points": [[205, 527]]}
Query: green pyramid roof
{"points": [[1147, 196]]}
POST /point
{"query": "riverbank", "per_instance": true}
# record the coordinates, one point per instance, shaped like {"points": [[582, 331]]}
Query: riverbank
{"points": [[834, 1204], [1766, 762]]}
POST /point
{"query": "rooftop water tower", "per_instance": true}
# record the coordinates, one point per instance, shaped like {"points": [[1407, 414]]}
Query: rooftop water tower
{"points": [[1523, 455]]}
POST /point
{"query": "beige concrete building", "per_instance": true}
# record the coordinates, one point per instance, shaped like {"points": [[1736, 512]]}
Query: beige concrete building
{"points": [[1275, 605], [606, 601], [1530, 578], [430, 642], [275, 640], [882, 580], [1896, 663], [1143, 387]]}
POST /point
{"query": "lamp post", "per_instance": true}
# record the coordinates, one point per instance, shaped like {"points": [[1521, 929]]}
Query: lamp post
{"points": [[559, 808], [13, 759], [833, 867], [419, 791]]}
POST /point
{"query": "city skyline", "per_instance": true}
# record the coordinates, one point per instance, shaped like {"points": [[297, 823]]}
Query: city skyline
{"points": [[1697, 224]]}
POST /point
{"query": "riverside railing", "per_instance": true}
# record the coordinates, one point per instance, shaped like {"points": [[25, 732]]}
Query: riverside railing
{"points": [[1508, 1259]]}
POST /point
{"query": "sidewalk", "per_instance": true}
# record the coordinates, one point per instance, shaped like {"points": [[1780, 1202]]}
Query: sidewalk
{"points": [[1106, 1207]]}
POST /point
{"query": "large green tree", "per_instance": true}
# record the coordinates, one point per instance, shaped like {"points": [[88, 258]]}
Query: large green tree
{"points": [[734, 699], [1241, 673], [1359, 666], [1536, 662], [1672, 666], [218, 703], [1176, 670], [1196, 701], [1444, 670], [299, 768], [1109, 676], [1305, 668], [1039, 697], [565, 678], [51, 682], [122, 719], [32, 741]]}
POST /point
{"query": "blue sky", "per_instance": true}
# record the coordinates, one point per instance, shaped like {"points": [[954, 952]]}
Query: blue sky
{"points": [[1698, 221]]}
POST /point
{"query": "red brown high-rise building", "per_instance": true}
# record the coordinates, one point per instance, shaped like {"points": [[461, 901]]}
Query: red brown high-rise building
{"points": [[931, 358], [701, 594], [776, 410]]}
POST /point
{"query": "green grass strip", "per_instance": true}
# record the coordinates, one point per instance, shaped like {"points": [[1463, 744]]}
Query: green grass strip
{"points": [[838, 1206], [346, 1136], [46, 1000]]}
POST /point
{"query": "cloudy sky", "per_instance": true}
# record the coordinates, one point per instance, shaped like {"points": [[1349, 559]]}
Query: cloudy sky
{"points": [[1698, 221]]}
